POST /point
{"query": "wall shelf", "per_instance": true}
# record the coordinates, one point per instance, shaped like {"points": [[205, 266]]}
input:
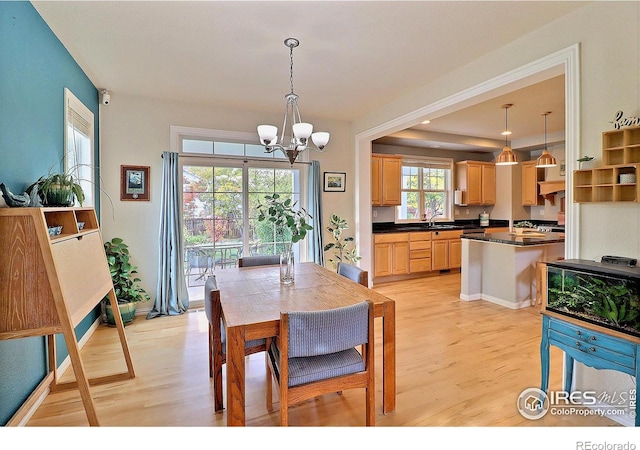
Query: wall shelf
{"points": [[621, 155]]}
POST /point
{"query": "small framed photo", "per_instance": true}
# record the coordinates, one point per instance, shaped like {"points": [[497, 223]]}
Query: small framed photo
{"points": [[134, 183], [335, 181]]}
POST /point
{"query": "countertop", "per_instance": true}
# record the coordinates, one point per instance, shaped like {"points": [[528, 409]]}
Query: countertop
{"points": [[390, 227], [513, 239]]}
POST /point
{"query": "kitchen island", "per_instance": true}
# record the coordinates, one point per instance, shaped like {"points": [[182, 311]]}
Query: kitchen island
{"points": [[501, 267]]}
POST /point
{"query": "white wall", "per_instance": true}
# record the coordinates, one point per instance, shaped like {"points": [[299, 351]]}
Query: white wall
{"points": [[135, 131]]}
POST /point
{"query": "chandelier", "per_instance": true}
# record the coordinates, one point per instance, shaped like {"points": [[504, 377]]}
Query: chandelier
{"points": [[299, 132], [546, 159], [507, 157]]}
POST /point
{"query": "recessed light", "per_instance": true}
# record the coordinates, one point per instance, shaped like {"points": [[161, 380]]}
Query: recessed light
{"points": [[506, 133], [424, 122]]}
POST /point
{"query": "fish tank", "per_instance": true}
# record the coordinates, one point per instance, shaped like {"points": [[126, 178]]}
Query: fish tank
{"points": [[600, 293]]}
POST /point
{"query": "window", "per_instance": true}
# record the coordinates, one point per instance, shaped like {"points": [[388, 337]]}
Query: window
{"points": [[426, 190], [78, 142]]}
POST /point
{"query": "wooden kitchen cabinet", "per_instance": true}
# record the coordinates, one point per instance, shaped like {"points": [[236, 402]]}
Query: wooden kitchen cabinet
{"points": [[390, 254], [477, 181], [386, 178], [420, 252], [531, 175], [446, 250]]}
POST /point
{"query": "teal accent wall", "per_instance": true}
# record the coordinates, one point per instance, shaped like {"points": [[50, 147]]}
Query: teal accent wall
{"points": [[34, 70]]}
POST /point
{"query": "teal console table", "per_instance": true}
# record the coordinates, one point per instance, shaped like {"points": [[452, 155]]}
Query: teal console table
{"points": [[592, 348]]}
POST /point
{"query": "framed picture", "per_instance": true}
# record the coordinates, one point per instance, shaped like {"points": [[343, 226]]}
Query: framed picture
{"points": [[134, 183], [335, 181], [563, 167]]}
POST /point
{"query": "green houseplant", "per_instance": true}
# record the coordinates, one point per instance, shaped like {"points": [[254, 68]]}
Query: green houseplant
{"points": [[125, 282], [290, 225], [341, 253], [58, 189]]}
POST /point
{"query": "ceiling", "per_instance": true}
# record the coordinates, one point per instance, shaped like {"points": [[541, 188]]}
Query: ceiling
{"points": [[353, 57]]}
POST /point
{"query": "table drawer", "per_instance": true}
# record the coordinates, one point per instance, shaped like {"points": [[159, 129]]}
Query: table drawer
{"points": [[591, 338], [420, 265], [593, 350]]}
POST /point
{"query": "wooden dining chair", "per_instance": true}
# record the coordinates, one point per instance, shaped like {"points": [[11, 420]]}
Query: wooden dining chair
{"points": [[218, 340], [316, 354], [258, 260], [353, 273]]}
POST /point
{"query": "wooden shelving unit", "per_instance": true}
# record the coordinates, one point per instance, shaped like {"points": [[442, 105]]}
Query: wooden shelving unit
{"points": [[48, 284], [621, 155]]}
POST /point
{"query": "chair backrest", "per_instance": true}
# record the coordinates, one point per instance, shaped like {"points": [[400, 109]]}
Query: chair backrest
{"points": [[212, 299], [258, 260], [313, 333], [353, 273]]}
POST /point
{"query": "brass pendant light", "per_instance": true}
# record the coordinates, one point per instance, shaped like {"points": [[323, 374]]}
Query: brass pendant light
{"points": [[546, 159], [507, 157]]}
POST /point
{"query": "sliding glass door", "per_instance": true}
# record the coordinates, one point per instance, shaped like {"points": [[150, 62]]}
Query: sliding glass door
{"points": [[220, 213]]}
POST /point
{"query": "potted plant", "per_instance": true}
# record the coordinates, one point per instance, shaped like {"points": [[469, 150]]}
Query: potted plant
{"points": [[125, 283], [58, 189], [524, 227], [336, 226], [290, 223]]}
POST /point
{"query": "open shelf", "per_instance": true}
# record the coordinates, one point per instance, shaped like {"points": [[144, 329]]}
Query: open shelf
{"points": [[621, 155]]}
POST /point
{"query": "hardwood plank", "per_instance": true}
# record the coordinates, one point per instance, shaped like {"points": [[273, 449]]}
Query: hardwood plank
{"points": [[458, 364]]}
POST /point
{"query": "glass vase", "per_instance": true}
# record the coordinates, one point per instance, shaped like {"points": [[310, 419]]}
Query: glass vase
{"points": [[287, 268]]}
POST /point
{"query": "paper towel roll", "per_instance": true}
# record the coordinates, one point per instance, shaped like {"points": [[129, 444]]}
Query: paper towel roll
{"points": [[457, 197]]}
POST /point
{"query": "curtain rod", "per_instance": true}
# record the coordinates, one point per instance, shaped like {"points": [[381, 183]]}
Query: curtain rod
{"points": [[236, 158]]}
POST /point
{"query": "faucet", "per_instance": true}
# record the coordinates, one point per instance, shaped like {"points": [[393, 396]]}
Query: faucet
{"points": [[432, 219]]}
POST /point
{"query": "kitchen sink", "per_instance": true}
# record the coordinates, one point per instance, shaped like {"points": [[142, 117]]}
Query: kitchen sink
{"points": [[443, 227]]}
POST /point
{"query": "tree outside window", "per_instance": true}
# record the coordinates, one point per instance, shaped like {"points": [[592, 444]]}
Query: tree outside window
{"points": [[426, 191]]}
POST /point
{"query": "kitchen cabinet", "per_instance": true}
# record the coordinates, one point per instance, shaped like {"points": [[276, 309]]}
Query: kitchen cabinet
{"points": [[386, 178], [390, 254], [531, 175], [420, 252], [477, 181], [446, 250]]}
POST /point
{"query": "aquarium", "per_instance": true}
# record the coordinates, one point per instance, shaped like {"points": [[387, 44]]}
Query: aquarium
{"points": [[600, 293]]}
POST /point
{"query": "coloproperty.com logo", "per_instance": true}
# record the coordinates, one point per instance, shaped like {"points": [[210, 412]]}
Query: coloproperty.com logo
{"points": [[534, 403]]}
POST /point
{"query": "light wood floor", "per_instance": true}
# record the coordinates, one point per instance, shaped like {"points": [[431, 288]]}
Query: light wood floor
{"points": [[458, 364]]}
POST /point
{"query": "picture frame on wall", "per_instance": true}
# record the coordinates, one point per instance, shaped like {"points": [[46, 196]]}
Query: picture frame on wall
{"points": [[335, 181], [134, 183]]}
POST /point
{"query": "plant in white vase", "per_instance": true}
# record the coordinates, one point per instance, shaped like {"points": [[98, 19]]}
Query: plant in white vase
{"points": [[287, 218]]}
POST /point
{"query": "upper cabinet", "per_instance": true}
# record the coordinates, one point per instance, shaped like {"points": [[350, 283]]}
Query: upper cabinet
{"points": [[616, 181], [477, 181], [531, 176], [386, 176]]}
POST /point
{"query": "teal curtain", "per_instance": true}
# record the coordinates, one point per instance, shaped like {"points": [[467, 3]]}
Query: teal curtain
{"points": [[316, 245], [172, 297]]}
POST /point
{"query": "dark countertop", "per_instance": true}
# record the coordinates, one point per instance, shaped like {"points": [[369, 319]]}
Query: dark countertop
{"points": [[513, 239], [390, 227]]}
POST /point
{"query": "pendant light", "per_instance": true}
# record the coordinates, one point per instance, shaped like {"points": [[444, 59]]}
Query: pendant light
{"points": [[546, 159], [507, 157]]}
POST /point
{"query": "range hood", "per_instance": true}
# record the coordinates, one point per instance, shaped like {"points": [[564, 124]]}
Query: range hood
{"points": [[549, 189]]}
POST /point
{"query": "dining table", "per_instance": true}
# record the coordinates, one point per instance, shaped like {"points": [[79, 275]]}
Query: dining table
{"points": [[252, 299]]}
